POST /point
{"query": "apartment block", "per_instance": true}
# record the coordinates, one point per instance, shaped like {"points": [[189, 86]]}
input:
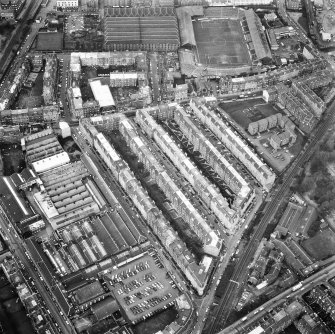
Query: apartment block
{"points": [[235, 144], [207, 192], [138, 144]]}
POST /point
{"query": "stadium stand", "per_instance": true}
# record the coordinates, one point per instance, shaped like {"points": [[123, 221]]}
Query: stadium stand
{"points": [[154, 29], [258, 36]]}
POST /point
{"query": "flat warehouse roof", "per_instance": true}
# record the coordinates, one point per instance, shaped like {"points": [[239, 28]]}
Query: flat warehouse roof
{"points": [[102, 94]]}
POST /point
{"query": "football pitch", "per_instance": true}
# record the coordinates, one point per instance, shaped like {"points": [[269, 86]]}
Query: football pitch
{"points": [[220, 43]]}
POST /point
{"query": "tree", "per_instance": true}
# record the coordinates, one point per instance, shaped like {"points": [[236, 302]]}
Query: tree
{"points": [[307, 185]]}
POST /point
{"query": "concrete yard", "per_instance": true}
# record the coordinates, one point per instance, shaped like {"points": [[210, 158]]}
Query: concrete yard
{"points": [[244, 112], [142, 287]]}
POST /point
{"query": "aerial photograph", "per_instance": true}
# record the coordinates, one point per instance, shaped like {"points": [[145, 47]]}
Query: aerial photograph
{"points": [[167, 166]]}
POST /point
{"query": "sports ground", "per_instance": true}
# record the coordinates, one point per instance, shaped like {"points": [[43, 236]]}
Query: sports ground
{"points": [[220, 43]]}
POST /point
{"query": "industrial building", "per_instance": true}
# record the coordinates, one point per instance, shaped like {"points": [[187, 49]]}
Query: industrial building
{"points": [[211, 242], [102, 94], [295, 255], [87, 295], [65, 196], [297, 218], [197, 274], [203, 187], [139, 28], [66, 192], [79, 108], [44, 114], [272, 39], [49, 79], [41, 145], [234, 143], [80, 248]]}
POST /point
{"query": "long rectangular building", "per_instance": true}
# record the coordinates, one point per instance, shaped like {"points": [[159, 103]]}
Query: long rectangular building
{"points": [[257, 34], [206, 190], [220, 164], [211, 242], [136, 29], [235, 144], [49, 114], [197, 274]]}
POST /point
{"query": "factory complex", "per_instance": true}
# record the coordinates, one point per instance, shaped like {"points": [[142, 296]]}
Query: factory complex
{"points": [[147, 149], [83, 237]]}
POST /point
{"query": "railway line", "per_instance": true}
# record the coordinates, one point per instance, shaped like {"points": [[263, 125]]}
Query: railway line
{"points": [[226, 303]]}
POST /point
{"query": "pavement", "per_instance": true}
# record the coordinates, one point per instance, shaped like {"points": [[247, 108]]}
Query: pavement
{"points": [[64, 61], [115, 195], [17, 247], [154, 76], [6, 57], [239, 275], [232, 245], [25, 46], [309, 283]]}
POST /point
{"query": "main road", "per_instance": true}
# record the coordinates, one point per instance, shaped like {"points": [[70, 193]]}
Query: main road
{"points": [[29, 8], [309, 283], [226, 303], [117, 198], [17, 247]]}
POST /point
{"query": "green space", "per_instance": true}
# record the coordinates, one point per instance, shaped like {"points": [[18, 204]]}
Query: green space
{"points": [[321, 246], [12, 313], [87, 36], [49, 41], [220, 42], [6, 29], [318, 180]]}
